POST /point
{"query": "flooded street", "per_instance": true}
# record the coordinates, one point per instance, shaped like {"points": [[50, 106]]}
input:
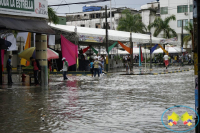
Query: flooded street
{"points": [[110, 104]]}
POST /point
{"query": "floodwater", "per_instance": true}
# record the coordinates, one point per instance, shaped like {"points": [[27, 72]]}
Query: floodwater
{"points": [[110, 104]]}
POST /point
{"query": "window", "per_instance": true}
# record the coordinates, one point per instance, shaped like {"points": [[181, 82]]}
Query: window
{"points": [[113, 15], [85, 15], [191, 8], [98, 15], [183, 8], [179, 23], [92, 16], [191, 21], [164, 10], [98, 25], [82, 25]]}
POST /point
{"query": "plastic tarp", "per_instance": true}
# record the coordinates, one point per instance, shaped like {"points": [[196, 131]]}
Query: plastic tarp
{"points": [[135, 51], [113, 35], [169, 49]]}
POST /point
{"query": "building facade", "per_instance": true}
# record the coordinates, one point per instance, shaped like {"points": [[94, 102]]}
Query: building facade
{"points": [[96, 19], [182, 9]]}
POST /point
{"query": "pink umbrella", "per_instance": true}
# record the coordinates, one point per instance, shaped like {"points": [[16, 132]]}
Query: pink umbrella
{"points": [[52, 54], [30, 52]]}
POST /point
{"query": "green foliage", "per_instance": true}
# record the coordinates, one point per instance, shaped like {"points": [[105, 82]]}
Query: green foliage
{"points": [[131, 23], [163, 26], [117, 57], [188, 37], [15, 32], [52, 16], [159, 57]]}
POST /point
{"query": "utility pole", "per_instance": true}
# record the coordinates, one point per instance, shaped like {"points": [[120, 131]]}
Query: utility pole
{"points": [[110, 14], [0, 68], [131, 51], [150, 52], [182, 42], [76, 42], [107, 58], [196, 50]]}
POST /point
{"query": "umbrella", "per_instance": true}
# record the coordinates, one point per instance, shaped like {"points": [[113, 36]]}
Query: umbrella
{"points": [[30, 52]]}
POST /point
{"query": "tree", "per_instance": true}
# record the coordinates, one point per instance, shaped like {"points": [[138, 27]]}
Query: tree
{"points": [[52, 16], [188, 37], [131, 23], [163, 26]]}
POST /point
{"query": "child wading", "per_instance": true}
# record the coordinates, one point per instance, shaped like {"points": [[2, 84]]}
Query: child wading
{"points": [[92, 67]]}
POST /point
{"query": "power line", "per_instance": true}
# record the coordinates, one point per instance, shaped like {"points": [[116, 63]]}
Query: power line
{"points": [[87, 2]]}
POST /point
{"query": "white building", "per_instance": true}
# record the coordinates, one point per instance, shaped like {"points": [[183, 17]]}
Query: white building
{"points": [[149, 12], [182, 9], [95, 19]]}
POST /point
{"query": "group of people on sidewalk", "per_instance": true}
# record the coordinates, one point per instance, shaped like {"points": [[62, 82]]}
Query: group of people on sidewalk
{"points": [[97, 65], [36, 69]]}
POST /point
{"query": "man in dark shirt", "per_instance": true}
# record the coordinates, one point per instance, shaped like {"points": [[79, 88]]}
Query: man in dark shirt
{"points": [[36, 69], [9, 70]]}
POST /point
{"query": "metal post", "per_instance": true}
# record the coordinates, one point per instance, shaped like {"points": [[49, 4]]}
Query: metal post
{"points": [[1, 74], [110, 15], [198, 51], [163, 54], [107, 62], [182, 43], [131, 51], [145, 58], [76, 42], [150, 52]]}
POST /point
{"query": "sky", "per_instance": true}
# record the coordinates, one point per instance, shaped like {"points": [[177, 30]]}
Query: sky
{"points": [[78, 8]]}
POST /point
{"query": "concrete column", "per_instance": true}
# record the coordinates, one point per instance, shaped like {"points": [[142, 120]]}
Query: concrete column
{"points": [[41, 56]]}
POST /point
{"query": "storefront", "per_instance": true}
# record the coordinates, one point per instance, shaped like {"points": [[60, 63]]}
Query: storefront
{"points": [[27, 16]]}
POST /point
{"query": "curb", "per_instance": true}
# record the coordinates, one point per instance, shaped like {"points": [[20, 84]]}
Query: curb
{"points": [[160, 72]]}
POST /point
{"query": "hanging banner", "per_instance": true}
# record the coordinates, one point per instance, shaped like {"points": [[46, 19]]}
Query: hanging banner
{"points": [[13, 40], [96, 52], [85, 49], [125, 47], [154, 48], [51, 40], [112, 46], [86, 38], [28, 45], [69, 51], [170, 40], [163, 49]]}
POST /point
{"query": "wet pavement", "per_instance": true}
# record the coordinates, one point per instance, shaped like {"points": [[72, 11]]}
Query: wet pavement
{"points": [[110, 104]]}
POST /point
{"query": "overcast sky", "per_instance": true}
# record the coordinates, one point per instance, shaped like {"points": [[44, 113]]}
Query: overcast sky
{"points": [[78, 8]]}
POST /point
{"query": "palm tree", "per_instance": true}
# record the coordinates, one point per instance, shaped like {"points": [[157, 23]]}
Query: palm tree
{"points": [[163, 26], [52, 16], [188, 37], [131, 23]]}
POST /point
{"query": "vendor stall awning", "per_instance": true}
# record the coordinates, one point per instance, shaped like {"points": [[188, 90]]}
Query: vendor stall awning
{"points": [[27, 25], [113, 35]]}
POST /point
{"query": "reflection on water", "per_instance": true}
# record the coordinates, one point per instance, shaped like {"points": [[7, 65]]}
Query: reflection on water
{"points": [[113, 103]]}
